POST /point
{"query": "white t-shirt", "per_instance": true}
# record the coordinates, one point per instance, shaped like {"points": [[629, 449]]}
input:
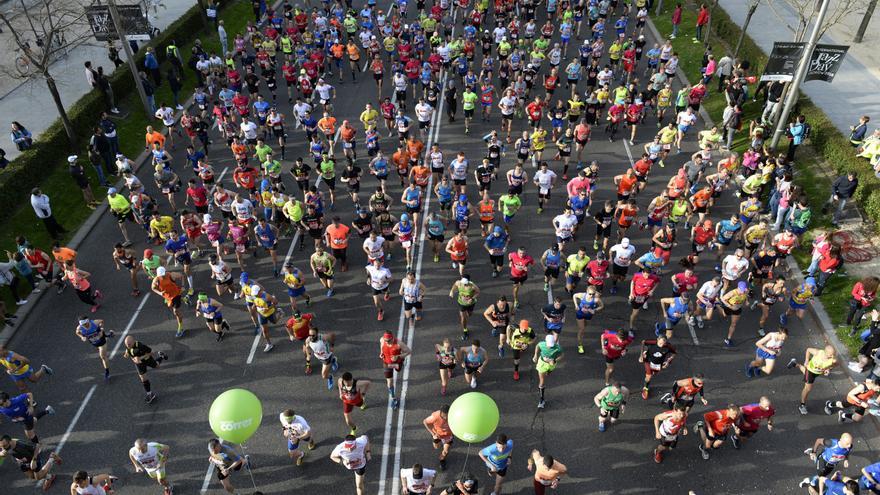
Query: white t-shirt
{"points": [[508, 105], [424, 112], [733, 267], [459, 169], [297, 424], [544, 178], [400, 82], [354, 458], [622, 256], [300, 109], [249, 129], [709, 291], [375, 248], [687, 119], [166, 114], [564, 225], [380, 277], [149, 460], [324, 91], [420, 485]]}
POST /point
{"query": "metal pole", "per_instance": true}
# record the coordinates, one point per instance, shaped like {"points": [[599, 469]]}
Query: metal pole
{"points": [[129, 56], [742, 34], [869, 12], [709, 22], [659, 8], [799, 75]]}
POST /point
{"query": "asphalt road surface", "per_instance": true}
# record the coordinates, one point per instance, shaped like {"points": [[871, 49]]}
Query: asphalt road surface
{"points": [[97, 422]]}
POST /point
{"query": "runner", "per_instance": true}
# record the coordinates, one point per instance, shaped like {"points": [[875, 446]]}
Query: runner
{"points": [[547, 355], [379, 279], [296, 284], [151, 457], [715, 426], [392, 353], [496, 245], [457, 247], [641, 289], [354, 453], [322, 264], [142, 356], [611, 402], [295, 429], [668, 426], [320, 346], [817, 362], [474, 360], [732, 303], [548, 471], [352, 393], [29, 457], [856, 399], [227, 461], [586, 305], [751, 415], [210, 309], [447, 356], [92, 331], [497, 458], [417, 479], [655, 354], [466, 293], [519, 263], [441, 434], [828, 453], [124, 258], [684, 393], [168, 285], [20, 370], [413, 292], [86, 484], [20, 409], [768, 348]]}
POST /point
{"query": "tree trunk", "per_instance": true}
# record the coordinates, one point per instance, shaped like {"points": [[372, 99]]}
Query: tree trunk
{"points": [[205, 20], [65, 120]]}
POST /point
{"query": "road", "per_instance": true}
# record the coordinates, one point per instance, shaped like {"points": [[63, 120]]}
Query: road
{"points": [[96, 422]]}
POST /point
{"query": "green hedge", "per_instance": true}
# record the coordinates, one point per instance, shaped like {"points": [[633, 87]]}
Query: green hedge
{"points": [[51, 148]]}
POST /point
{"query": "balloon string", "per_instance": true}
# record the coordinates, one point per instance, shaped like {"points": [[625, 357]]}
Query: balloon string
{"points": [[248, 464], [467, 456]]}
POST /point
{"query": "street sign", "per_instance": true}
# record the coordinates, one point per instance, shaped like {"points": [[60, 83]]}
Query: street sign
{"points": [[825, 62], [134, 22], [783, 61]]}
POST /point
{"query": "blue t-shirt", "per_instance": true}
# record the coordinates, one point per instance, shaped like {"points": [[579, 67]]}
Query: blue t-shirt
{"points": [[498, 459], [650, 261], [579, 205], [493, 242], [727, 230], [18, 409], [679, 307], [835, 453], [176, 247], [874, 471]]}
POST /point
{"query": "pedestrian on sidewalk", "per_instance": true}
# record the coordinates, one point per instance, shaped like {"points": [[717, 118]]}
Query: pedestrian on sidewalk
{"points": [[702, 20], [91, 74], [149, 91], [99, 146], [797, 132], [724, 70], [211, 11], [113, 54], [843, 188], [20, 136], [676, 20], [731, 122], [107, 90], [40, 203], [151, 63], [78, 173], [772, 99], [863, 294], [175, 84]]}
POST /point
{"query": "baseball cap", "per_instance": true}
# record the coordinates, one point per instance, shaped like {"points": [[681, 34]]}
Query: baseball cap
{"points": [[297, 314], [244, 277], [462, 197], [742, 286], [624, 242], [160, 271], [523, 324], [112, 190], [72, 158], [388, 335], [148, 253]]}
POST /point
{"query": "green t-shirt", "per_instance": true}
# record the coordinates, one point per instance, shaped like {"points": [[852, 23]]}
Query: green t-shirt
{"points": [[549, 353], [468, 100], [262, 152], [327, 169], [681, 97], [510, 204], [119, 204], [576, 265], [151, 264]]}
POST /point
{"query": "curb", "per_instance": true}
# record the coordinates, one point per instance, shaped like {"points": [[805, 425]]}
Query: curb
{"points": [[8, 332]]}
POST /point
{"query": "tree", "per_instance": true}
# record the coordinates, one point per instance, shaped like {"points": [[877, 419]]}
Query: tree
{"points": [[46, 31], [807, 10]]}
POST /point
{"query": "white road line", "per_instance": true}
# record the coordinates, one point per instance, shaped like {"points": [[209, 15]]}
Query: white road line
{"points": [[628, 152], [220, 179], [293, 242], [694, 335], [208, 474], [432, 137], [91, 392], [128, 327]]}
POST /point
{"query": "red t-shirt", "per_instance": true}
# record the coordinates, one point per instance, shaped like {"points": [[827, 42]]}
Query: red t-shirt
{"points": [[519, 265], [597, 269], [614, 345], [718, 422], [683, 282], [198, 194], [642, 285], [752, 415], [702, 235], [300, 328]]}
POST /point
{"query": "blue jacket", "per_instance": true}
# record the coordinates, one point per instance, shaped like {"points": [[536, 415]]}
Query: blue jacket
{"points": [[150, 61]]}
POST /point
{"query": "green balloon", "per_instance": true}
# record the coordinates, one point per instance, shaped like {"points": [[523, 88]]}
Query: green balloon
{"points": [[473, 417], [235, 415]]}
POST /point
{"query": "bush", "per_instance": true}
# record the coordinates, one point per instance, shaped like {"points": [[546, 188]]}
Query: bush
{"points": [[51, 148]]}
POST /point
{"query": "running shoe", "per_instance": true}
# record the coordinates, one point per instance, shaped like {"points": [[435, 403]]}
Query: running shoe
{"points": [[47, 483], [474, 382], [442, 463], [269, 347], [442, 390], [613, 290], [330, 383], [728, 343], [395, 403], [501, 351], [334, 365], [516, 376], [387, 297], [761, 332], [541, 404], [645, 393], [657, 329], [330, 293], [658, 456], [454, 265], [666, 398], [700, 322], [803, 409], [840, 417], [178, 334], [299, 460], [47, 370], [464, 334], [312, 445], [749, 370], [106, 375], [580, 349], [602, 426], [704, 452], [150, 397], [783, 319], [827, 408], [436, 259], [308, 369], [50, 410], [791, 364], [379, 315], [734, 440], [363, 405]]}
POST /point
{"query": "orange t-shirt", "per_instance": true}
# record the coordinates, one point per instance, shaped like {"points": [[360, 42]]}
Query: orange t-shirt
{"points": [[154, 137], [701, 198], [327, 125], [347, 133], [626, 185], [415, 148], [169, 289], [338, 236], [401, 160], [421, 174], [487, 210], [64, 254], [353, 52], [439, 426], [718, 422], [337, 50]]}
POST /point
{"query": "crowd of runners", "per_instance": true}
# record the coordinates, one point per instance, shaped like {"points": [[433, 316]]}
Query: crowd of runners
{"points": [[585, 72]]}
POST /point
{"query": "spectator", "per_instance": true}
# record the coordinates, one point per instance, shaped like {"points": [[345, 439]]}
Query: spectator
{"points": [[175, 85], [24, 269], [772, 99], [868, 359], [863, 294], [724, 70], [828, 266], [731, 122], [676, 20], [3, 161], [799, 216], [172, 54], [797, 132], [702, 20], [224, 39], [91, 74], [821, 246], [211, 10], [695, 96], [100, 145], [151, 63], [858, 132], [149, 91], [735, 93], [41, 206], [82, 181], [8, 277], [107, 90], [109, 128], [113, 54], [709, 69], [843, 188], [21, 136]]}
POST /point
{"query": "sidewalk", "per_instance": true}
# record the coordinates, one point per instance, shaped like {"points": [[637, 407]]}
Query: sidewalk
{"points": [[29, 103], [856, 86]]}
